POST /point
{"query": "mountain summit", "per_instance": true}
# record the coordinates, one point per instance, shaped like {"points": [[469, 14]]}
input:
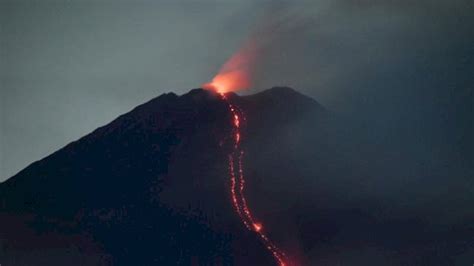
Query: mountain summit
{"points": [[152, 187]]}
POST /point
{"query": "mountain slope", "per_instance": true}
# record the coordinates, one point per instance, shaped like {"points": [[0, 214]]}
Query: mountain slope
{"points": [[152, 188], [152, 185]]}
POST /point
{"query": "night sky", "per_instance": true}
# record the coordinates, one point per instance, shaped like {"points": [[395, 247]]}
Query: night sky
{"points": [[403, 69]]}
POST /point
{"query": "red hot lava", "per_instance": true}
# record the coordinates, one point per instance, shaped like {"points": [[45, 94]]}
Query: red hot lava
{"points": [[237, 181], [235, 75]]}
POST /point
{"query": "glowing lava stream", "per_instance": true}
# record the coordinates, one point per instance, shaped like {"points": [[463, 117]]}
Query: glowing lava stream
{"points": [[238, 184]]}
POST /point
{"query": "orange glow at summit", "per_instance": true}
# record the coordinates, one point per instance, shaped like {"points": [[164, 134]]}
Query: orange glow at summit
{"points": [[235, 74]]}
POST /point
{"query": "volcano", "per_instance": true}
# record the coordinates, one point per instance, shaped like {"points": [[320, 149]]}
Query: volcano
{"points": [[152, 188]]}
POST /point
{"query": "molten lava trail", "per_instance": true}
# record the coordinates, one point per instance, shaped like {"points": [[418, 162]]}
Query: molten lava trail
{"points": [[237, 181]]}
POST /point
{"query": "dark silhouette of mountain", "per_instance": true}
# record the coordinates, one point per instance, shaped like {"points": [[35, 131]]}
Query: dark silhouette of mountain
{"points": [[152, 188]]}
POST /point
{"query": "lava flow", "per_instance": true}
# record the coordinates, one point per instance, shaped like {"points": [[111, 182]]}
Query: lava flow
{"points": [[237, 181], [235, 75]]}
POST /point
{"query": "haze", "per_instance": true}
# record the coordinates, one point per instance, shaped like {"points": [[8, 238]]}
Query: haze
{"points": [[404, 70]]}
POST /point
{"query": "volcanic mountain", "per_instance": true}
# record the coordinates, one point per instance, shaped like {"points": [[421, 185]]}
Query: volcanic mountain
{"points": [[152, 188]]}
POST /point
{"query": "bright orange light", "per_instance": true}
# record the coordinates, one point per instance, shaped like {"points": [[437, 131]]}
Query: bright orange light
{"points": [[231, 81], [257, 227], [235, 74]]}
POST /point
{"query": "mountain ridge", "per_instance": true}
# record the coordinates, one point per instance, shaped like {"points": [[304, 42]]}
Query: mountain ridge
{"points": [[146, 160], [280, 91], [152, 187]]}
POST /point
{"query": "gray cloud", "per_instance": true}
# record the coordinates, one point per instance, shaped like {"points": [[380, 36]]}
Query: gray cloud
{"points": [[69, 67]]}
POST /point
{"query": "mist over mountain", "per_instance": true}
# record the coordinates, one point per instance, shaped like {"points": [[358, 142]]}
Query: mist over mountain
{"points": [[152, 188]]}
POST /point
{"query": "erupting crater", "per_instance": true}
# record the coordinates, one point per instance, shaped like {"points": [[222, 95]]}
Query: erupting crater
{"points": [[236, 174], [235, 75]]}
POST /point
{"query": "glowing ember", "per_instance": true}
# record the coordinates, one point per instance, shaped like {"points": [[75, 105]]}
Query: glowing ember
{"points": [[237, 186], [257, 227]]}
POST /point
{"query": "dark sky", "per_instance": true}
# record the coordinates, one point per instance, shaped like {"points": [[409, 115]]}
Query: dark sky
{"points": [[68, 67]]}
